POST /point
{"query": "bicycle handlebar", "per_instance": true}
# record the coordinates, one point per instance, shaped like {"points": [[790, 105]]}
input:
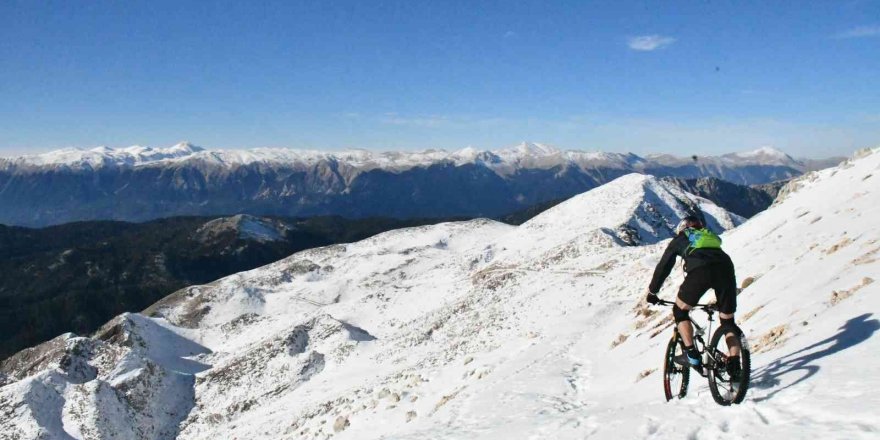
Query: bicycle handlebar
{"points": [[713, 307]]}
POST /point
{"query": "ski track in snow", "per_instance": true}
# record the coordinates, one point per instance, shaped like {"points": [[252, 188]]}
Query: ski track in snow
{"points": [[483, 330]]}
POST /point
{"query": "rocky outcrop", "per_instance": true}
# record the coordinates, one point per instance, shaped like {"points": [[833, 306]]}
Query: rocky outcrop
{"points": [[740, 199]]}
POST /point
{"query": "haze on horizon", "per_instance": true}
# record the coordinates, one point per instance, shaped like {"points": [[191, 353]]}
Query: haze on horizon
{"points": [[677, 78]]}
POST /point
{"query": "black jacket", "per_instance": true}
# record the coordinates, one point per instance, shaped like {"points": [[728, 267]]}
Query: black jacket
{"points": [[678, 247]]}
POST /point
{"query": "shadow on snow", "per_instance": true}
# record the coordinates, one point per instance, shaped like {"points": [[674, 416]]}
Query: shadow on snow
{"points": [[853, 332]]}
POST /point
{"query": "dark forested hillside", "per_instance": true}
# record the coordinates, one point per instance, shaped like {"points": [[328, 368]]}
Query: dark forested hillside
{"points": [[74, 277]]}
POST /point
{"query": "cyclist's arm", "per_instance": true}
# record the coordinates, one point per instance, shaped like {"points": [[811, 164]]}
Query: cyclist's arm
{"points": [[667, 262]]}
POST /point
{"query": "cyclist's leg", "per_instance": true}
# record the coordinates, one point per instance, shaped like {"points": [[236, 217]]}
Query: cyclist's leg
{"points": [[696, 283], [685, 329], [724, 284]]}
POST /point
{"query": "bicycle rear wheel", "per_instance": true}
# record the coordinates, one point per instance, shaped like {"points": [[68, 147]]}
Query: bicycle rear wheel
{"points": [[727, 388], [675, 377]]}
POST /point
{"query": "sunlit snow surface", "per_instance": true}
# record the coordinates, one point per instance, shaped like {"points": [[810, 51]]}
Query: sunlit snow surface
{"points": [[483, 330]]}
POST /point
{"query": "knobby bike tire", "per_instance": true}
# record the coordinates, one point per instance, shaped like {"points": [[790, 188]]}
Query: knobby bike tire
{"points": [[672, 372], [723, 390]]}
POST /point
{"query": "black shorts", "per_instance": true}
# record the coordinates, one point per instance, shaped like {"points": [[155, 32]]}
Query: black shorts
{"points": [[719, 276]]}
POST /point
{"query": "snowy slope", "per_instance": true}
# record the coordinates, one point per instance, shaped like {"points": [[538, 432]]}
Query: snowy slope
{"points": [[483, 330]]}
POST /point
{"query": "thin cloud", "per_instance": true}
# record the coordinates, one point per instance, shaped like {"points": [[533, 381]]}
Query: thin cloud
{"points": [[860, 32], [751, 92], [419, 121], [441, 121], [647, 43]]}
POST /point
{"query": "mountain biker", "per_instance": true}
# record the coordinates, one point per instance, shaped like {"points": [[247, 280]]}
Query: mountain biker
{"points": [[706, 266]]}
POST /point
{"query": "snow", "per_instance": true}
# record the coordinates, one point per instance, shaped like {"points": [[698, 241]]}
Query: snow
{"points": [[106, 156], [765, 156], [483, 330], [260, 230], [527, 149], [503, 161], [764, 151], [246, 227], [648, 207]]}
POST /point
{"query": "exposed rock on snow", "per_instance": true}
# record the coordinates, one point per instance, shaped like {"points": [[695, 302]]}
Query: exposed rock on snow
{"points": [[340, 424], [840, 295]]}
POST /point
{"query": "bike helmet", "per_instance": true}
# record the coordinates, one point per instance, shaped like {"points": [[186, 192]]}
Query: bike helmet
{"points": [[690, 221]]}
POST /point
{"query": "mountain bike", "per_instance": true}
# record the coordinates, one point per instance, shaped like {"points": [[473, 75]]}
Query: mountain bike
{"points": [[725, 389]]}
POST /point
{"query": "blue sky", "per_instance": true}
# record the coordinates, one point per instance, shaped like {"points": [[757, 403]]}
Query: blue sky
{"points": [[678, 77]]}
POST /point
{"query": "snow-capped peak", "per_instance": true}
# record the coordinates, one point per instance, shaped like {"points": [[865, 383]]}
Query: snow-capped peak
{"points": [[764, 155], [536, 149], [528, 149], [634, 209], [185, 147], [765, 151], [106, 156], [467, 152]]}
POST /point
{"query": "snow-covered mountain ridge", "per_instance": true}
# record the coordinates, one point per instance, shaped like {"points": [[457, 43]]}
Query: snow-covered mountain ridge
{"points": [[140, 184], [522, 155], [478, 329], [102, 156]]}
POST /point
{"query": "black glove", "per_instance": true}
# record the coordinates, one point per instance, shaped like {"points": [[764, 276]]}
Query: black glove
{"points": [[652, 298]]}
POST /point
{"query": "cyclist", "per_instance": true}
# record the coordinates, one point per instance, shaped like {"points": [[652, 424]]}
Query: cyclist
{"points": [[706, 266]]}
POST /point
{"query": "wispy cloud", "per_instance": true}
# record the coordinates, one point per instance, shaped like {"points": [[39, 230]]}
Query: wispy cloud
{"points": [[429, 121], [441, 121], [860, 32], [647, 43]]}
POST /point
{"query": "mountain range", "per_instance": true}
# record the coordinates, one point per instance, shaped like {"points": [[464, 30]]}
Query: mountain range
{"points": [[142, 183]]}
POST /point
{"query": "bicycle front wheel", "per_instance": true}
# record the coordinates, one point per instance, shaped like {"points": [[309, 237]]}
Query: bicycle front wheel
{"points": [[675, 377], [730, 376]]}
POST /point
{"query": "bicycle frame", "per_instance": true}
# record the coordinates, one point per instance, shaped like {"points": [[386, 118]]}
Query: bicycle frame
{"points": [[711, 357], [726, 387]]}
